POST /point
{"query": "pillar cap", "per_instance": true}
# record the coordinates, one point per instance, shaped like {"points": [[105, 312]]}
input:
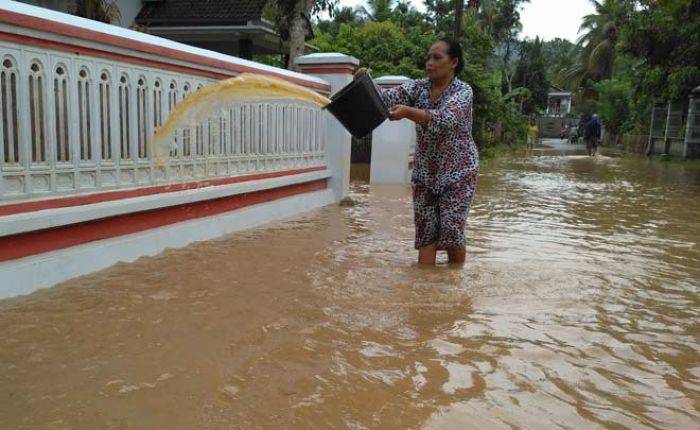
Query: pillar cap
{"points": [[695, 92], [327, 62], [391, 81]]}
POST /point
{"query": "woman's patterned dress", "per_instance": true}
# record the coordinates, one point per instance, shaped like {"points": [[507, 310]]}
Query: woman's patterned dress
{"points": [[446, 161]]}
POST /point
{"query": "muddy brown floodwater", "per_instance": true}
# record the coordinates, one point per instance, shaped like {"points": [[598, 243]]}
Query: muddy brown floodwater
{"points": [[578, 308]]}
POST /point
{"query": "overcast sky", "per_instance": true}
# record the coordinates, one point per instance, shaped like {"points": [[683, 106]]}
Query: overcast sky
{"points": [[545, 18]]}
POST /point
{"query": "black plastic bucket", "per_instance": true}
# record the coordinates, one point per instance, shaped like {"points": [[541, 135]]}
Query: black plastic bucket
{"points": [[359, 106]]}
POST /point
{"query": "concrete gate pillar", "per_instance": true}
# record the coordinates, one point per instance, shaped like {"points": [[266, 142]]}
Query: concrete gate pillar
{"points": [[336, 69], [691, 146], [393, 143]]}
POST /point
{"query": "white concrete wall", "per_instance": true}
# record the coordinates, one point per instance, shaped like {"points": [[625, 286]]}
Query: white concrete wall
{"points": [[26, 275], [128, 9], [220, 146], [392, 144], [25, 222], [338, 139]]}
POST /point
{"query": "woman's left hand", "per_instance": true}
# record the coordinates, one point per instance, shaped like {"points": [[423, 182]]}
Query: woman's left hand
{"points": [[399, 112], [419, 116]]}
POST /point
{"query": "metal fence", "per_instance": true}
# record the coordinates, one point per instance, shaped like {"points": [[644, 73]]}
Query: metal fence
{"points": [[667, 129]]}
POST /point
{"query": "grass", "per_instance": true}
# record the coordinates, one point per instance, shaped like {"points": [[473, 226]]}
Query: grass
{"points": [[499, 150], [690, 164]]}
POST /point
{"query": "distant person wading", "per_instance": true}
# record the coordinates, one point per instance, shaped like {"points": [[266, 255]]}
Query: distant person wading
{"points": [[592, 134], [446, 160]]}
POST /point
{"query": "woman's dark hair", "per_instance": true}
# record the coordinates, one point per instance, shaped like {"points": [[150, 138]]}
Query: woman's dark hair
{"points": [[454, 50]]}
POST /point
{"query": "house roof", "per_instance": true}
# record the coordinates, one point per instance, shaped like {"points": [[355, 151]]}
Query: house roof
{"points": [[200, 12], [555, 88]]}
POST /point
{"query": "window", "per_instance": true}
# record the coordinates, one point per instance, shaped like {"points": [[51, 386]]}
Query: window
{"points": [[84, 114], [141, 122], [157, 105], [36, 113], [105, 116], [172, 101], [8, 110], [60, 89], [124, 123]]}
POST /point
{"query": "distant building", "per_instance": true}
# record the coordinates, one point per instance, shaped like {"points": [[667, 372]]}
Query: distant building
{"points": [[558, 102], [557, 118], [234, 27]]}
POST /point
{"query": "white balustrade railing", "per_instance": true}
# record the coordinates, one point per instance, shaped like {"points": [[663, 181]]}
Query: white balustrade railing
{"points": [[71, 123]]}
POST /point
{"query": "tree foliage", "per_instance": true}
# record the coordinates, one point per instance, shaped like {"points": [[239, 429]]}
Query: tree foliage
{"points": [[614, 105], [630, 53], [560, 55], [99, 10], [531, 73], [600, 33], [651, 47], [293, 21], [396, 42], [664, 38]]}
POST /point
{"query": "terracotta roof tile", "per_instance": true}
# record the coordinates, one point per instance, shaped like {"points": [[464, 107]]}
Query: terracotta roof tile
{"points": [[199, 12]]}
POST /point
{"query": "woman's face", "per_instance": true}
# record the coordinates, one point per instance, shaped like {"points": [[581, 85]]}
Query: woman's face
{"points": [[439, 65]]}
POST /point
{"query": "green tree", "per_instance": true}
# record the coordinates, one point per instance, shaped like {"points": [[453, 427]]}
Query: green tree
{"points": [[407, 16], [440, 15], [344, 15], [505, 28], [392, 47], [99, 10], [560, 55], [459, 14], [531, 73], [472, 5], [293, 21], [664, 36], [614, 106], [378, 10], [598, 42], [487, 13], [384, 47]]}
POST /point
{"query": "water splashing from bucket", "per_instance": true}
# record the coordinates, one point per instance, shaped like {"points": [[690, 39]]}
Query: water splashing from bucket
{"points": [[219, 96]]}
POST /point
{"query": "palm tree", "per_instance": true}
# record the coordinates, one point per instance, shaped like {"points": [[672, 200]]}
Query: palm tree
{"points": [[487, 14], [406, 15], [345, 15], [293, 22], [100, 10], [472, 5], [561, 56], [599, 39], [505, 29], [377, 10], [459, 14]]}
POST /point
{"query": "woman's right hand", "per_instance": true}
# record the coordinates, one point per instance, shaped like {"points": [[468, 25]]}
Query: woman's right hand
{"points": [[360, 72]]}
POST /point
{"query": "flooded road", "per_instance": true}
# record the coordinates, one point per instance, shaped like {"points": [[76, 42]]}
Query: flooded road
{"points": [[578, 307]]}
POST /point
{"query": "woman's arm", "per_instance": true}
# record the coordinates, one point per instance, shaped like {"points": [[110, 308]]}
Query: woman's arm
{"points": [[451, 115], [400, 95], [419, 116]]}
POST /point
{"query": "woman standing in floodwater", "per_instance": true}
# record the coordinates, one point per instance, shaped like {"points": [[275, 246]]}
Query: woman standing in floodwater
{"points": [[446, 161]]}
